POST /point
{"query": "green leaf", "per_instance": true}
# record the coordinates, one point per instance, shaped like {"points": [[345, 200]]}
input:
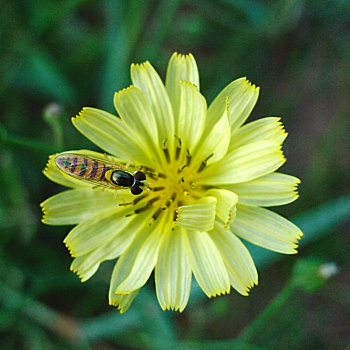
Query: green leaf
{"points": [[41, 73], [117, 48], [110, 324]]}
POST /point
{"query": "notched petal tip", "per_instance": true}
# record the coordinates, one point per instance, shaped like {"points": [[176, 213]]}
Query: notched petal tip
{"points": [[250, 84], [69, 248], [249, 287], [170, 308], [81, 114], [297, 239], [117, 93], [182, 308], [79, 274], [141, 65], [114, 303], [216, 293], [182, 55], [48, 163], [219, 293]]}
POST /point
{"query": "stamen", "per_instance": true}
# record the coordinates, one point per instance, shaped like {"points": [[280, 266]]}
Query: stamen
{"points": [[174, 220], [155, 215], [182, 167], [188, 158], [178, 148], [150, 172], [125, 204], [139, 198], [169, 201], [140, 210], [166, 151], [153, 200], [159, 188], [135, 201], [204, 163]]}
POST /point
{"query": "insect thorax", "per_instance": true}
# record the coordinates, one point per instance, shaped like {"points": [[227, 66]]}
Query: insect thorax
{"points": [[122, 178]]}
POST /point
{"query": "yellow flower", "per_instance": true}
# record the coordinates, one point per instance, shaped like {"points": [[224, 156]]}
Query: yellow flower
{"points": [[208, 178]]}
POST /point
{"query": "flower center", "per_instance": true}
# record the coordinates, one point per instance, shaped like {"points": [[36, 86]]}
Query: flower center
{"points": [[172, 186]]}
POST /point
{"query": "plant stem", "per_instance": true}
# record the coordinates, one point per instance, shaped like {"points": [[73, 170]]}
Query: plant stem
{"points": [[25, 142], [266, 316]]}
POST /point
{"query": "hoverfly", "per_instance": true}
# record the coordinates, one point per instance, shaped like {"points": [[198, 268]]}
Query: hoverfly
{"points": [[100, 172]]}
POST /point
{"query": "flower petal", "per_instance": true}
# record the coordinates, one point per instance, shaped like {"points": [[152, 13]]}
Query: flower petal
{"points": [[54, 174], [244, 164], [147, 255], [109, 132], [145, 78], [214, 144], [266, 191], [206, 263], [200, 216], [138, 118], [124, 265], [86, 265], [83, 268], [173, 272], [97, 231], [226, 202], [238, 261], [266, 229], [192, 114], [123, 302], [242, 97], [262, 129], [180, 67], [73, 206]]}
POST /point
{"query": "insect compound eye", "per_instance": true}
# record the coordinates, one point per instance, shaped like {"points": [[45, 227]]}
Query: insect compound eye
{"points": [[122, 178], [139, 176], [135, 189]]}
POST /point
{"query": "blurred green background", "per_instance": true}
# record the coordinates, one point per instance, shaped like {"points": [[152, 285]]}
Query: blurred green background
{"points": [[58, 56]]}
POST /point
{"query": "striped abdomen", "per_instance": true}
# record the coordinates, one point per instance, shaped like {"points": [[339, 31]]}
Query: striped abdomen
{"points": [[86, 168]]}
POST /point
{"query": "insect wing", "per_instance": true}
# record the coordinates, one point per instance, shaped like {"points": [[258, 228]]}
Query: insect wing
{"points": [[89, 169]]}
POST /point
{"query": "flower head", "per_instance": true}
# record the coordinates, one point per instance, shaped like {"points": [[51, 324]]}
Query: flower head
{"points": [[207, 179]]}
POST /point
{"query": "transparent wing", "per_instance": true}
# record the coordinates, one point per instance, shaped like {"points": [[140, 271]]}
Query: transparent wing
{"points": [[88, 169]]}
